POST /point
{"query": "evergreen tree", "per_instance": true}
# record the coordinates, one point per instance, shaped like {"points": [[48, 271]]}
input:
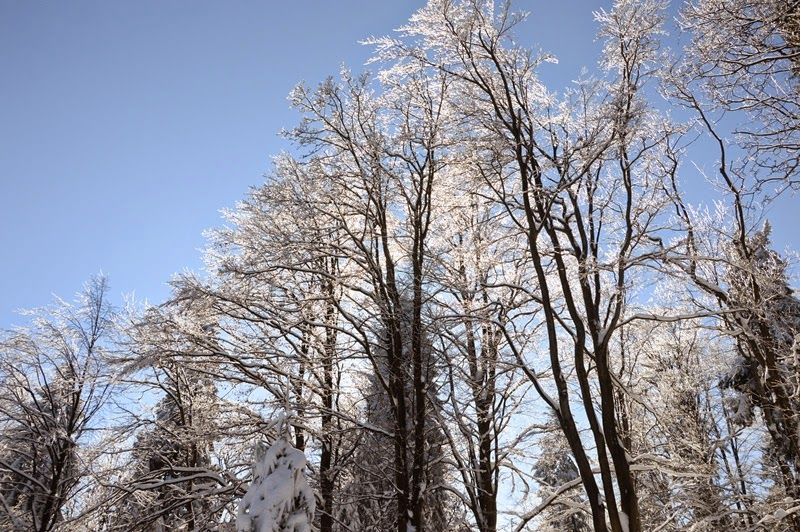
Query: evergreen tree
{"points": [[765, 321], [279, 499], [558, 478], [172, 483]]}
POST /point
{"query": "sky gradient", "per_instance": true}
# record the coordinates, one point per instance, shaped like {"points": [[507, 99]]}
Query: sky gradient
{"points": [[126, 126]]}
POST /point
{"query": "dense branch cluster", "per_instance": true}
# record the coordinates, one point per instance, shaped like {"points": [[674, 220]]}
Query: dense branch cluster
{"points": [[464, 301]]}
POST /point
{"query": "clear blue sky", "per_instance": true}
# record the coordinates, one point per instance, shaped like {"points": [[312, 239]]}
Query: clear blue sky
{"points": [[126, 126]]}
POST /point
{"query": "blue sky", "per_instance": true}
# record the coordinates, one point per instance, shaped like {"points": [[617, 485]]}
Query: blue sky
{"points": [[126, 126]]}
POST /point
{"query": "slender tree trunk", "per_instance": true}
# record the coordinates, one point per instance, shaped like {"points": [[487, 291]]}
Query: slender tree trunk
{"points": [[326, 455], [482, 385], [298, 385], [419, 384]]}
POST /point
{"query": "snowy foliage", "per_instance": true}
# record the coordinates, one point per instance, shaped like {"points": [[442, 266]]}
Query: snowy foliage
{"points": [[471, 301], [279, 498]]}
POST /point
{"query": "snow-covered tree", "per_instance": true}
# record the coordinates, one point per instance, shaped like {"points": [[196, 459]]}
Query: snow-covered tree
{"points": [[54, 381], [562, 506], [177, 466], [277, 288], [279, 498], [768, 319], [378, 160], [171, 482]]}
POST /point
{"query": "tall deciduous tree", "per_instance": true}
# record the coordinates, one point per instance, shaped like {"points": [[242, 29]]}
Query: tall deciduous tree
{"points": [[581, 180], [55, 381]]}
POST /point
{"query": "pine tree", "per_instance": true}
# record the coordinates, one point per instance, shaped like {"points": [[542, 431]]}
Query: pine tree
{"points": [[554, 470], [765, 322], [279, 499], [171, 461]]}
